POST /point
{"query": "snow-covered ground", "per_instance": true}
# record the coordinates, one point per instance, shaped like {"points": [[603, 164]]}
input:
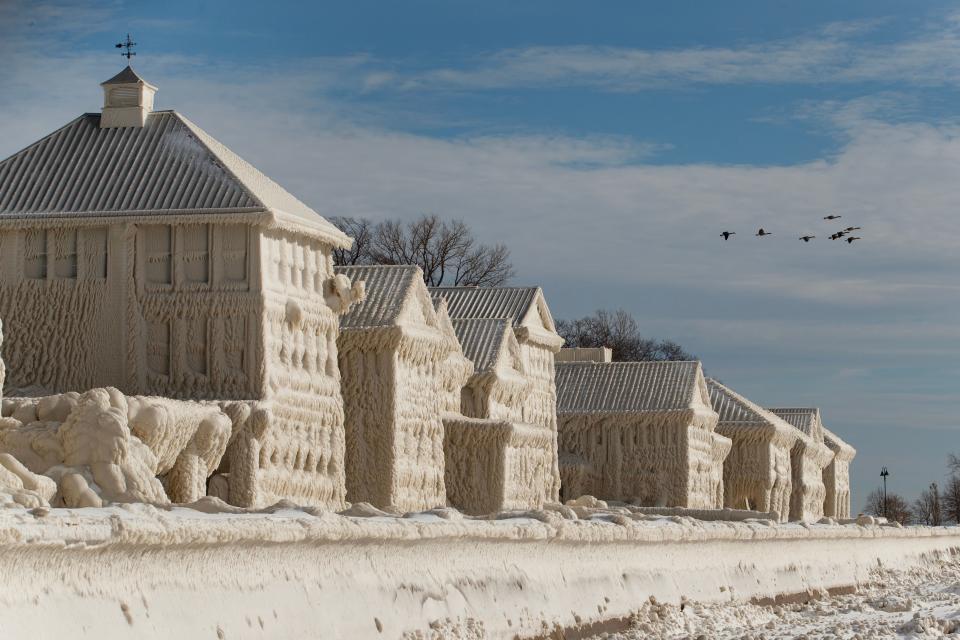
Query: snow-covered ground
{"points": [[211, 570], [922, 602]]}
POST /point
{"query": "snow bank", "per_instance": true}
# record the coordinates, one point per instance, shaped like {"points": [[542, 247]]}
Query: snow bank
{"points": [[135, 571]]}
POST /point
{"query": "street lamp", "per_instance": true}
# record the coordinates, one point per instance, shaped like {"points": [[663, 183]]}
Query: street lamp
{"points": [[883, 474]]}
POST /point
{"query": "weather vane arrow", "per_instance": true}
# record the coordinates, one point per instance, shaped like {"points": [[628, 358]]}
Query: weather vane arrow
{"points": [[128, 45]]}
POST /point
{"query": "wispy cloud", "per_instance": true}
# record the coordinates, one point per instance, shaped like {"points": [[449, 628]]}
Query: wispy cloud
{"points": [[836, 53]]}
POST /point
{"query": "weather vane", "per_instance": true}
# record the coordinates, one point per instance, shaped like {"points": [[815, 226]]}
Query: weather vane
{"points": [[127, 44]]}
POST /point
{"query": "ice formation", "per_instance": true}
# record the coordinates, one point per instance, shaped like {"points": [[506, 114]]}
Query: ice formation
{"points": [[533, 326], [196, 319], [809, 458], [836, 476], [210, 282], [757, 474], [641, 432], [103, 446], [495, 460], [393, 355]]}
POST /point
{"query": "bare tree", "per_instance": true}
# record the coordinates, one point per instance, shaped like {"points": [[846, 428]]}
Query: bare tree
{"points": [[446, 251], [926, 508], [896, 508], [361, 230], [953, 462], [951, 499], [619, 331]]}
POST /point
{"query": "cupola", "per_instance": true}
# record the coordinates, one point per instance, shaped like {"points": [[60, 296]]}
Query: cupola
{"points": [[127, 100]]}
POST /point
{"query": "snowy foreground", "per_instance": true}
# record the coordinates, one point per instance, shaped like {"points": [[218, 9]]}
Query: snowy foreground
{"points": [[213, 571], [921, 602]]}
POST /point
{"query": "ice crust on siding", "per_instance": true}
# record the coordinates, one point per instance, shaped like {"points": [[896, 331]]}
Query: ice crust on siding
{"points": [[640, 432]]}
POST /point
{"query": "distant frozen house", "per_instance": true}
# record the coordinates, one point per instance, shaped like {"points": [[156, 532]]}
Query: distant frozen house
{"points": [[495, 460], [533, 326], [136, 251], [836, 476], [392, 353], [639, 432], [809, 458], [757, 473], [457, 368]]}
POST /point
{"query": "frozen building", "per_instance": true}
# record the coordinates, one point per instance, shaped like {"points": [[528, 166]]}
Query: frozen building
{"points": [[639, 432], [495, 460], [836, 476], [138, 252], [757, 472], [533, 326], [457, 368], [808, 459], [393, 354]]}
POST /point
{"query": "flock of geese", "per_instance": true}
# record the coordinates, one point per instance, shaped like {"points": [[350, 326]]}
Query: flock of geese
{"points": [[843, 234]]}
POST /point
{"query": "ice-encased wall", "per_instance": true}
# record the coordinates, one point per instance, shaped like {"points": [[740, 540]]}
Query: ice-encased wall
{"points": [[808, 459], [491, 438], [235, 310], [393, 385], [540, 404], [292, 444], [457, 368], [495, 465], [836, 477], [668, 459], [757, 474]]}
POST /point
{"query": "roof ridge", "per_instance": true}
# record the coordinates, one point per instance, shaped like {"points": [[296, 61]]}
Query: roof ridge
{"points": [[204, 138], [243, 185]]}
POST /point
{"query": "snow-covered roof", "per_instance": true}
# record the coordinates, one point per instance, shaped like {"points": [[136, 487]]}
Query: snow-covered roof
{"points": [[387, 290], [514, 303], [843, 450], [626, 387], [482, 340], [805, 419], [737, 413], [169, 166]]}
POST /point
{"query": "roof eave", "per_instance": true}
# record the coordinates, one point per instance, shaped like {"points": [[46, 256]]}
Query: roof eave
{"points": [[326, 233]]}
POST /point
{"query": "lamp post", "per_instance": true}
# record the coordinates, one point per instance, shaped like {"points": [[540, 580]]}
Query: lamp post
{"points": [[883, 474]]}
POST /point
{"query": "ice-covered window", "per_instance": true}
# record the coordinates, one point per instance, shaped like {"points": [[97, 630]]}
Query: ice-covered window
{"points": [[93, 244], [65, 254], [35, 254], [196, 253], [234, 253], [158, 246]]}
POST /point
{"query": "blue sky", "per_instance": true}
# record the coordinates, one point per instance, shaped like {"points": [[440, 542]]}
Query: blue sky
{"points": [[608, 144]]}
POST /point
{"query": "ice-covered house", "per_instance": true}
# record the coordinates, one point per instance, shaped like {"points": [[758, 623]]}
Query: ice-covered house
{"points": [[639, 432], [757, 472], [457, 368], [533, 326], [836, 476], [136, 251], [393, 356], [808, 459], [495, 460]]}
